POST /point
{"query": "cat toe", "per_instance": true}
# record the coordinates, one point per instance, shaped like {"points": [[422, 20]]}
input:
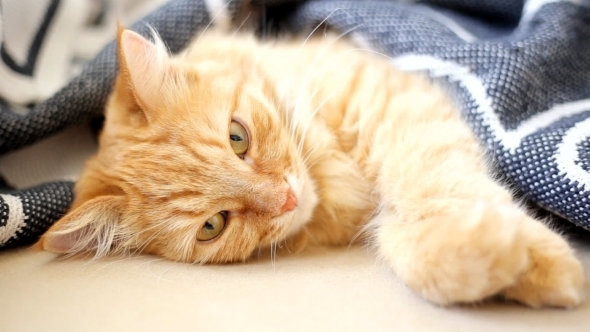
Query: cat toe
{"points": [[552, 280]]}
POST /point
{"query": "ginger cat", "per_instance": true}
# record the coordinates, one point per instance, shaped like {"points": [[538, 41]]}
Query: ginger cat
{"points": [[236, 145]]}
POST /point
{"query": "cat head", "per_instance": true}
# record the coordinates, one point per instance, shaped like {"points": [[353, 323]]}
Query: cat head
{"points": [[195, 163]]}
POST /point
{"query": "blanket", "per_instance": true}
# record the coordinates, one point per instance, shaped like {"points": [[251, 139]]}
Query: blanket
{"points": [[519, 71]]}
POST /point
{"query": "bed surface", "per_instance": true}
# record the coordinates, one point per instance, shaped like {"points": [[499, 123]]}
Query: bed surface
{"points": [[321, 289]]}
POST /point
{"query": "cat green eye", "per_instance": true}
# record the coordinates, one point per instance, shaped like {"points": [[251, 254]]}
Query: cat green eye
{"points": [[212, 228], [238, 138]]}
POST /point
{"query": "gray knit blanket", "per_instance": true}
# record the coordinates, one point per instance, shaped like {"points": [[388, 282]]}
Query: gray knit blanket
{"points": [[519, 70]]}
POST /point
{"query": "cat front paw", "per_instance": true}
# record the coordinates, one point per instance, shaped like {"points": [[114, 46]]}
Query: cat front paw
{"points": [[464, 256], [554, 276], [488, 250], [481, 251]]}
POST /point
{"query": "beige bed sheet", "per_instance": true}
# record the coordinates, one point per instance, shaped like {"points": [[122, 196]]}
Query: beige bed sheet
{"points": [[321, 289]]}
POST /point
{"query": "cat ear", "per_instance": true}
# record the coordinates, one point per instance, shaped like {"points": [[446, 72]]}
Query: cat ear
{"points": [[91, 226], [143, 65]]}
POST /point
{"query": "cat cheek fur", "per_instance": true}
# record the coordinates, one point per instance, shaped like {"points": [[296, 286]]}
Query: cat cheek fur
{"points": [[169, 158]]}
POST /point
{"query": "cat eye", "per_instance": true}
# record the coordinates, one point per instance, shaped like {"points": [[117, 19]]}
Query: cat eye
{"points": [[212, 227], [238, 138]]}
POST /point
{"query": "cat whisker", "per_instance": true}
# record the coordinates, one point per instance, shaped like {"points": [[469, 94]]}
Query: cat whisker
{"points": [[146, 242], [274, 256], [287, 246], [310, 234], [325, 33], [139, 248], [272, 253], [325, 48], [259, 250], [305, 156], [150, 261], [221, 10], [346, 32], [295, 118], [241, 24], [322, 22], [372, 51], [308, 155], [155, 225], [320, 105], [161, 277], [311, 70], [115, 260], [364, 230], [341, 53]]}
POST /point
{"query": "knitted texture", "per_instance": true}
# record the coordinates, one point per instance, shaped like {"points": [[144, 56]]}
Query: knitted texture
{"points": [[518, 70], [25, 215]]}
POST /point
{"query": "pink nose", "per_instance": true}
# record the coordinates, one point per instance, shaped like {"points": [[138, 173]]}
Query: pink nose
{"points": [[290, 203]]}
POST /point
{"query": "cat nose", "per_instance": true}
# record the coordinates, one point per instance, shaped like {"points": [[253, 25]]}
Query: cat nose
{"points": [[290, 203]]}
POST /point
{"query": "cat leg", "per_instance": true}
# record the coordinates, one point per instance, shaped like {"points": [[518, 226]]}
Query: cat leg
{"points": [[449, 230], [456, 257], [471, 255]]}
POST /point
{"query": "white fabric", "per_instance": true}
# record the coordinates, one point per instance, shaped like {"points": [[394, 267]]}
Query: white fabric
{"points": [[70, 38], [16, 218], [68, 43]]}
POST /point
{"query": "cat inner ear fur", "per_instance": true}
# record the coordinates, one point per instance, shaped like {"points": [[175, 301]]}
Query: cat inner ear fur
{"points": [[144, 71], [92, 226]]}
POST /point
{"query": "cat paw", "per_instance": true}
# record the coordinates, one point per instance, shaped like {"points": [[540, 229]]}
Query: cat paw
{"points": [[482, 251], [468, 255], [554, 277]]}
